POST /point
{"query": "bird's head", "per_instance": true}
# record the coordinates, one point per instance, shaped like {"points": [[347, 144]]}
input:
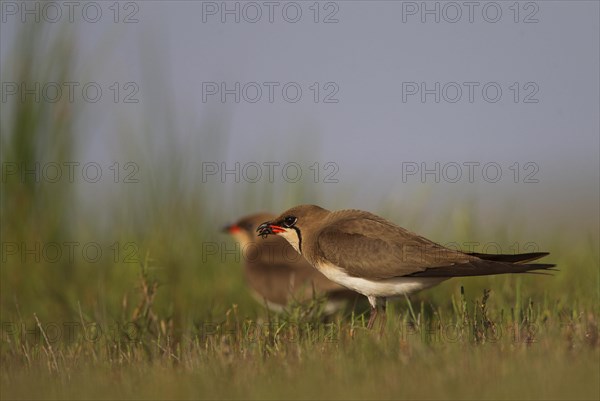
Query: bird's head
{"points": [[293, 224]]}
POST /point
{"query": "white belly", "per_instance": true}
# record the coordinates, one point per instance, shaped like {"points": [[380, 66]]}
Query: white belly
{"points": [[391, 287]]}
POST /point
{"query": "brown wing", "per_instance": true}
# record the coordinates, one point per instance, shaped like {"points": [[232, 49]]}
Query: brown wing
{"points": [[373, 248]]}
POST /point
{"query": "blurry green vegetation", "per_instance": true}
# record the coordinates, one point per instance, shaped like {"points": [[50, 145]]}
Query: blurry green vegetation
{"points": [[162, 319]]}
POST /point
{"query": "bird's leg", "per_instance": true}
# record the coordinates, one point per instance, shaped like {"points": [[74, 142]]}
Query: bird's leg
{"points": [[372, 318], [373, 302]]}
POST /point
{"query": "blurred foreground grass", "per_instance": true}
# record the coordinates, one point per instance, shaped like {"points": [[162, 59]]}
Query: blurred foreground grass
{"points": [[158, 317]]}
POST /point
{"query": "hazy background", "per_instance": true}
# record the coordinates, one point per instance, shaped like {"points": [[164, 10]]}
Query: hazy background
{"points": [[368, 54], [166, 51]]}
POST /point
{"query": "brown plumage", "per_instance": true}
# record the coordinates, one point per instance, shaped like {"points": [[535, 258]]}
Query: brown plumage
{"points": [[277, 274], [379, 259]]}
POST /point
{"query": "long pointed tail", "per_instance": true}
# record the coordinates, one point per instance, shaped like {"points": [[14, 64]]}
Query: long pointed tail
{"points": [[484, 268], [518, 258]]}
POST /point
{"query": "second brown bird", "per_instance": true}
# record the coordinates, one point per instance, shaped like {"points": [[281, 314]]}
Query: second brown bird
{"points": [[277, 274]]}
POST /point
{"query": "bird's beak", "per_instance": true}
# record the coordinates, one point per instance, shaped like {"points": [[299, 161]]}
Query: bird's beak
{"points": [[231, 229], [268, 228]]}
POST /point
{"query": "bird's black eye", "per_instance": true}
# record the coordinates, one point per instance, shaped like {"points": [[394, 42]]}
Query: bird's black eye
{"points": [[289, 221]]}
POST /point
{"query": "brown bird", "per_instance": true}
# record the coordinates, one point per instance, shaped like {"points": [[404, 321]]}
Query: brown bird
{"points": [[277, 274], [379, 259]]}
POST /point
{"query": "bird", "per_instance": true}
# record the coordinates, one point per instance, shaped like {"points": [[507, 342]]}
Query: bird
{"points": [[277, 274], [379, 259]]}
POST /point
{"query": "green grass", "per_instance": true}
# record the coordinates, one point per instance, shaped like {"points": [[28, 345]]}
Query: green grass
{"points": [[177, 323], [469, 347], [519, 341]]}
